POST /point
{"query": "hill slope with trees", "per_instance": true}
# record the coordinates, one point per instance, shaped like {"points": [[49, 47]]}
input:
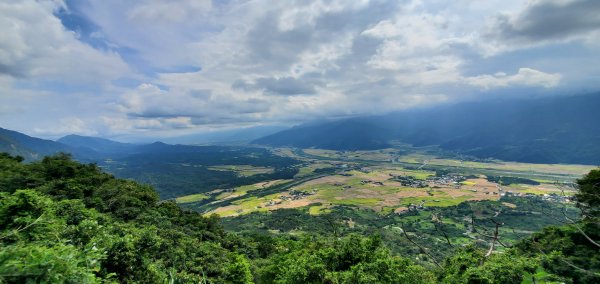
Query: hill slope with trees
{"points": [[66, 222]]}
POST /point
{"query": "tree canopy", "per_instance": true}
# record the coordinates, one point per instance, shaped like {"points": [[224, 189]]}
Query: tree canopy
{"points": [[66, 222]]}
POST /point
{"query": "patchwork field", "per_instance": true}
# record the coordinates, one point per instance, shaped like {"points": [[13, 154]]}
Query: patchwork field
{"points": [[243, 170], [393, 156], [222, 194], [385, 181], [379, 191]]}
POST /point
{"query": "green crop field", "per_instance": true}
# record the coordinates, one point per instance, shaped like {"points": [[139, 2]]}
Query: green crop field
{"points": [[191, 198], [243, 170], [369, 179]]}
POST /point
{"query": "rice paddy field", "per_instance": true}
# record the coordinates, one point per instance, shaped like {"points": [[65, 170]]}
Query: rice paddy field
{"points": [[377, 180], [243, 170]]}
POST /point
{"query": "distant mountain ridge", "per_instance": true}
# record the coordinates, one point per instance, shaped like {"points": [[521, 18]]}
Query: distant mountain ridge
{"points": [[86, 148], [559, 129], [100, 145], [353, 134], [31, 148]]}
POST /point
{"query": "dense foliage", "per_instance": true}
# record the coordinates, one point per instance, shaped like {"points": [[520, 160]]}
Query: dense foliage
{"points": [[589, 195], [63, 221], [66, 222], [173, 170], [455, 223], [511, 180], [177, 170]]}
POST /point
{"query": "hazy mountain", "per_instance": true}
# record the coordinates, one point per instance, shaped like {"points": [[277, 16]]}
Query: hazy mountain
{"points": [[97, 144], [352, 134], [91, 149], [30, 148], [560, 129], [83, 148], [240, 135]]}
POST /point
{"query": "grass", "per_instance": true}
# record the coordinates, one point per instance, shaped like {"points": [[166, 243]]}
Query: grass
{"points": [[576, 170], [429, 200], [318, 209], [540, 277], [191, 198], [532, 190], [393, 189], [304, 171], [307, 170], [243, 170], [543, 180], [238, 191], [358, 201], [322, 153], [335, 195], [254, 202], [536, 191], [249, 203], [383, 198], [387, 210], [418, 174]]}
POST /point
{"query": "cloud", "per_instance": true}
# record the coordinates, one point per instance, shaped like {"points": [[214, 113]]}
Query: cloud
{"points": [[168, 11], [123, 125], [153, 34], [34, 44], [353, 59], [72, 125], [547, 20], [524, 77], [278, 86], [231, 63], [160, 106]]}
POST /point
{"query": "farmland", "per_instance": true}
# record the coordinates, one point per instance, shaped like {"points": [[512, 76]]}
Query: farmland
{"points": [[443, 202], [386, 181]]}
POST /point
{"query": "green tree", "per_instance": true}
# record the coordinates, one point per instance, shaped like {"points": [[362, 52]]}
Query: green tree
{"points": [[470, 265], [588, 196]]}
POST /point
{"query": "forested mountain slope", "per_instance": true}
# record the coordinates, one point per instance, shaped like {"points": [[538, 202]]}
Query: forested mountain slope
{"points": [[99, 145], [30, 148], [66, 222]]}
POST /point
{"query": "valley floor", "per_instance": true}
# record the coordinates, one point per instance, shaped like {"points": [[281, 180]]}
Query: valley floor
{"points": [[387, 181]]}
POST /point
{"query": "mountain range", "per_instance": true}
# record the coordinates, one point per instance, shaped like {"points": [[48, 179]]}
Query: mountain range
{"points": [[557, 129], [32, 148]]}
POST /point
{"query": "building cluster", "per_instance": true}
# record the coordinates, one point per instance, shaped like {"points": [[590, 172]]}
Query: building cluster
{"points": [[552, 197], [293, 195], [413, 208], [411, 181], [454, 180], [366, 181]]}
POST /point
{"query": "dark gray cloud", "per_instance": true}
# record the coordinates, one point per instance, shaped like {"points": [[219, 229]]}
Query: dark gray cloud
{"points": [[223, 120], [201, 94], [548, 20], [274, 45], [12, 70], [278, 86], [271, 46]]}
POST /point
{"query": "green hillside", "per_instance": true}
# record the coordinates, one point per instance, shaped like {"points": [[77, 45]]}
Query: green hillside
{"points": [[66, 222]]}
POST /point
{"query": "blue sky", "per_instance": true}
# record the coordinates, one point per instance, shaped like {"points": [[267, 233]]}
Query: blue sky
{"points": [[158, 68]]}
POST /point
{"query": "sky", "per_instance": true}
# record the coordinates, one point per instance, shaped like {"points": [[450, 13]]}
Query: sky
{"points": [[160, 68]]}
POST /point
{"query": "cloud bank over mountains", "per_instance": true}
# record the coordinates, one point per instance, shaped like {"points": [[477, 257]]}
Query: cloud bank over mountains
{"points": [[108, 67]]}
